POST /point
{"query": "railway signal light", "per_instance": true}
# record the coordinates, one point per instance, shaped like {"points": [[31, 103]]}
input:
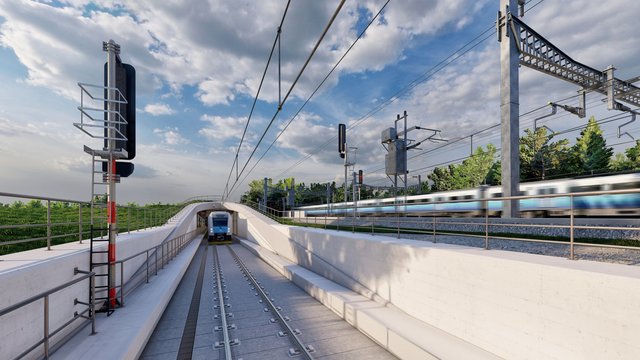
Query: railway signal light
{"points": [[342, 140], [126, 83], [360, 177], [123, 169]]}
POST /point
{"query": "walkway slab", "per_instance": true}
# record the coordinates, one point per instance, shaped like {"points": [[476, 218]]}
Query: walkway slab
{"points": [[124, 334]]}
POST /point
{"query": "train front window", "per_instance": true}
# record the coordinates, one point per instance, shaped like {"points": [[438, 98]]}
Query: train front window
{"points": [[219, 222]]}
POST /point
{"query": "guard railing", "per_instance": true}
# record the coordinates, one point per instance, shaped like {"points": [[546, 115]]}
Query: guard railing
{"points": [[88, 313], [490, 228], [44, 221]]}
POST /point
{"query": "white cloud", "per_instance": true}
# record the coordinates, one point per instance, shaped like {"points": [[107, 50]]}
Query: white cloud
{"points": [[171, 136], [200, 44], [159, 109], [222, 128]]}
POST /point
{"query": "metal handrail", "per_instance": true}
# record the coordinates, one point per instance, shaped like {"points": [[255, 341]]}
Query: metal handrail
{"points": [[400, 200], [487, 223], [45, 295], [143, 217], [22, 196], [169, 250]]}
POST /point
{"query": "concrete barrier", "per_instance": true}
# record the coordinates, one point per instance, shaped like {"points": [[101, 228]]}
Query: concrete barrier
{"points": [[514, 305]]}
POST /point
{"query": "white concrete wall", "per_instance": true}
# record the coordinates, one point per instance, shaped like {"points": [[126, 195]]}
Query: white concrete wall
{"points": [[24, 327], [514, 305]]}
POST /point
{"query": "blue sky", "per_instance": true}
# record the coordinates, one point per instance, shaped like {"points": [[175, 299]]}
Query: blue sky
{"points": [[199, 64]]}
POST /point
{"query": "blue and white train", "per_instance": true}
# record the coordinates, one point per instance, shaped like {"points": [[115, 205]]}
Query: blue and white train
{"points": [[219, 225], [449, 203]]}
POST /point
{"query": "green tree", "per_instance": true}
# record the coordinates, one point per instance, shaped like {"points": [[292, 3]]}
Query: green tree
{"points": [[494, 176], [539, 157], [591, 154], [35, 204], [633, 156], [619, 162], [442, 178], [473, 171], [254, 194]]}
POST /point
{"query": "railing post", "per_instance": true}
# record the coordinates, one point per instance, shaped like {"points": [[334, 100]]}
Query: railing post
{"points": [[122, 283], [434, 228], [46, 326], [571, 227], [147, 266], [373, 219], [155, 254], [48, 224], [353, 224], [486, 229], [128, 219], [80, 222]]}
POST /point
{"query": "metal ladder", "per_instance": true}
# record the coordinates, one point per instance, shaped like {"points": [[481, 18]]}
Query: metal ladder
{"points": [[99, 247]]}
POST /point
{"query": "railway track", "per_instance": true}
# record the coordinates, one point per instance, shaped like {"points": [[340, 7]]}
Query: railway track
{"points": [[249, 311], [297, 346]]}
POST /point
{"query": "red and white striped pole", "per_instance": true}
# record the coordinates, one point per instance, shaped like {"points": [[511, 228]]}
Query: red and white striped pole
{"points": [[112, 51]]}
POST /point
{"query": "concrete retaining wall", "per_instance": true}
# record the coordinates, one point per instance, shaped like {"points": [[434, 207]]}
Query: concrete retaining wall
{"points": [[24, 327], [514, 305]]}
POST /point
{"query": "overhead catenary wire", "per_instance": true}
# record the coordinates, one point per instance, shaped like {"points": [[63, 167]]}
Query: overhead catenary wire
{"points": [[317, 88], [279, 109], [425, 76], [255, 99], [458, 53]]}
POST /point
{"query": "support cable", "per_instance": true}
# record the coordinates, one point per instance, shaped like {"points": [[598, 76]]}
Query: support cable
{"points": [[255, 99], [422, 78], [264, 133], [316, 89]]}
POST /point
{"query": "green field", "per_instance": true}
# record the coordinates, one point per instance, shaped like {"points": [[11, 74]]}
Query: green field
{"points": [[23, 221]]}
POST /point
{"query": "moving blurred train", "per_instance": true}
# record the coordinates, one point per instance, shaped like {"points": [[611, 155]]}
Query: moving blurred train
{"points": [[451, 203], [219, 225]]}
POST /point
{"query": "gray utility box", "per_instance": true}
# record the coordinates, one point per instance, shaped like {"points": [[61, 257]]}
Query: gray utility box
{"points": [[396, 160], [388, 135]]}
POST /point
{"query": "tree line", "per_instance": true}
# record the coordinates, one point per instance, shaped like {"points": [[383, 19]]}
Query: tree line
{"points": [[541, 158]]}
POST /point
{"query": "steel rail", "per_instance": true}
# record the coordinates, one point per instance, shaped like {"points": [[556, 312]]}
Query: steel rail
{"points": [[223, 313], [303, 350]]}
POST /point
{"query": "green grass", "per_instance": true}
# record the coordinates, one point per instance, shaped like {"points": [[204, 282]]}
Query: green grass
{"points": [[65, 218]]}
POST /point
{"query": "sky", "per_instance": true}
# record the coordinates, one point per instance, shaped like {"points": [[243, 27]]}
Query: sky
{"points": [[199, 64]]}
